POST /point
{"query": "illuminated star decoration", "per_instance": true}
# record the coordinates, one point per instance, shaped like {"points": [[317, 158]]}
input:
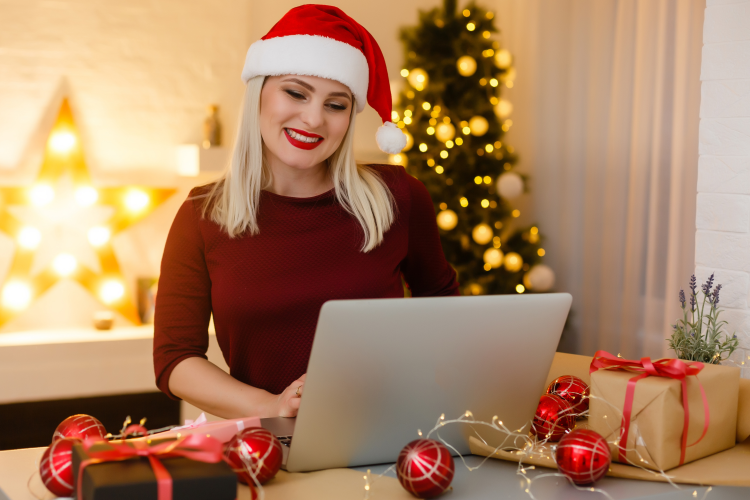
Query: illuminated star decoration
{"points": [[63, 227]]}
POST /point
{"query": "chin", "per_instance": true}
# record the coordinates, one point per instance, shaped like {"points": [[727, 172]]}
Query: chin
{"points": [[297, 158]]}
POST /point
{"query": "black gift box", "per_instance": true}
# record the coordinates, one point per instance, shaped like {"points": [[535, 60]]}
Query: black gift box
{"points": [[134, 478]]}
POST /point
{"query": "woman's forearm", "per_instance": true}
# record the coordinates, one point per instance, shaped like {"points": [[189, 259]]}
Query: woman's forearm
{"points": [[205, 385]]}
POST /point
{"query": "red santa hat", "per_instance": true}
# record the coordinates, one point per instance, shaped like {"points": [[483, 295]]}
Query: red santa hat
{"points": [[320, 40]]}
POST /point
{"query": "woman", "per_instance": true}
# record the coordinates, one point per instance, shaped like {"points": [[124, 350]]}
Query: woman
{"points": [[293, 223]]}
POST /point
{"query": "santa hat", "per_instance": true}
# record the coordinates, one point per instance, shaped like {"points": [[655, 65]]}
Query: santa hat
{"points": [[320, 40]]}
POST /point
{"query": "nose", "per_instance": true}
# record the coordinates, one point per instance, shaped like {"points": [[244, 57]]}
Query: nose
{"points": [[312, 116]]}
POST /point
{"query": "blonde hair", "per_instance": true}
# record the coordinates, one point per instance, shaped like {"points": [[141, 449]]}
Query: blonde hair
{"points": [[232, 201]]}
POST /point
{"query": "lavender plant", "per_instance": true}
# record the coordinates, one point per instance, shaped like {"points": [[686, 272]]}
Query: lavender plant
{"points": [[698, 335]]}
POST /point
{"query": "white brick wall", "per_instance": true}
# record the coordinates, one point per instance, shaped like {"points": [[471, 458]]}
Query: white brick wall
{"points": [[722, 243]]}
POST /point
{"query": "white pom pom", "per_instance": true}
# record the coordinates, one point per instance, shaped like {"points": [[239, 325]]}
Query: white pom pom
{"points": [[390, 139]]}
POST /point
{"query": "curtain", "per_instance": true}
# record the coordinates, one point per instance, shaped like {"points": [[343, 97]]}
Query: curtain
{"points": [[606, 123]]}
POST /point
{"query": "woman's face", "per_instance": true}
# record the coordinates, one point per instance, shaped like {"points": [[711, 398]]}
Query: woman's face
{"points": [[303, 119]]}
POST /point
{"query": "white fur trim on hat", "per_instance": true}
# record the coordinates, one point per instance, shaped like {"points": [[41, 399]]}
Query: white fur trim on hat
{"points": [[310, 55], [390, 139]]}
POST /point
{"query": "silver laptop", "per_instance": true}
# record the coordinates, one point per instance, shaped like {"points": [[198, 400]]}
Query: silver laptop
{"points": [[383, 369]]}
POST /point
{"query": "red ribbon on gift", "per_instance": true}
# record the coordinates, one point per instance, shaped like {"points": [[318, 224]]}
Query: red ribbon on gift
{"points": [[669, 368], [194, 446]]}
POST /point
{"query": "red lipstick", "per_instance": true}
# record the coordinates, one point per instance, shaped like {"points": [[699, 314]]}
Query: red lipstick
{"points": [[299, 144]]}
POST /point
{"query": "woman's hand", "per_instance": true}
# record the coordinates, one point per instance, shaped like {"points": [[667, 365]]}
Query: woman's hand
{"points": [[287, 403]]}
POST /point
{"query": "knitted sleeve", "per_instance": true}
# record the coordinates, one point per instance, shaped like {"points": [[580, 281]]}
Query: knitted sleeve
{"points": [[183, 299], [425, 268]]}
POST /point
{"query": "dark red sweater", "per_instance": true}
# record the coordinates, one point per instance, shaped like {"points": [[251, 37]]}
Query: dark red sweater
{"points": [[266, 291]]}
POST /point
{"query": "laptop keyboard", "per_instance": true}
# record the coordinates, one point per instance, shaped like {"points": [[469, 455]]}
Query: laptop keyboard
{"points": [[285, 440]]}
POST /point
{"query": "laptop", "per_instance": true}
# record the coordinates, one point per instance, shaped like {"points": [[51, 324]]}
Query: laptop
{"points": [[381, 370]]}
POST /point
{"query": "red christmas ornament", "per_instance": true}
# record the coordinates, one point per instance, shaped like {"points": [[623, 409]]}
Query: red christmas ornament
{"points": [[79, 427], [583, 456], [553, 418], [573, 390], [254, 452], [425, 468], [56, 467]]}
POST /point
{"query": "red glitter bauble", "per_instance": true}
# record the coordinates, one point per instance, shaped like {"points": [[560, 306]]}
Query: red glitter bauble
{"points": [[79, 427], [56, 467], [254, 452], [425, 468], [583, 456], [573, 390], [553, 418]]}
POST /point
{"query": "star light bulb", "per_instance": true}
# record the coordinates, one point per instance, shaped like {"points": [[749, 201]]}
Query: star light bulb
{"points": [[136, 200], [29, 237], [64, 264], [62, 142], [99, 235], [16, 295], [111, 291], [41, 195], [86, 196]]}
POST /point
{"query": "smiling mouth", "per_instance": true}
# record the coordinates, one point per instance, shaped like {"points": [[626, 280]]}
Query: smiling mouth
{"points": [[302, 139]]}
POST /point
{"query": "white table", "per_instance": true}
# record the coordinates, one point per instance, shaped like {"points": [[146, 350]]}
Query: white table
{"points": [[494, 480]]}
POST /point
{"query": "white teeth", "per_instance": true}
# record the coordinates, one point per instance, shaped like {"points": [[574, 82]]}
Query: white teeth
{"points": [[300, 137]]}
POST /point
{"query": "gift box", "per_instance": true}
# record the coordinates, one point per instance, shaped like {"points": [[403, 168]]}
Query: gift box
{"points": [[140, 477], [642, 408]]}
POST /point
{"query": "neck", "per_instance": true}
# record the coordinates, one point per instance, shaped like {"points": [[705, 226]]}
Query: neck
{"points": [[297, 182]]}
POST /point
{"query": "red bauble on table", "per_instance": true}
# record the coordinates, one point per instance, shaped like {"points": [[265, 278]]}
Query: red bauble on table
{"points": [[254, 452], [425, 468], [573, 390], [79, 427], [583, 456], [553, 418], [56, 467]]}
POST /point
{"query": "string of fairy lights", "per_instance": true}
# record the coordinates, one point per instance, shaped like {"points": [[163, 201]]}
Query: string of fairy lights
{"points": [[442, 134], [527, 446]]}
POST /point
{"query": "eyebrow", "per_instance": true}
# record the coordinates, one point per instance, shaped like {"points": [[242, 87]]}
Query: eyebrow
{"points": [[312, 89]]}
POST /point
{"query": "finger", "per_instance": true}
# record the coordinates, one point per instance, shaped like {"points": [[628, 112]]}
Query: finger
{"points": [[294, 404]]}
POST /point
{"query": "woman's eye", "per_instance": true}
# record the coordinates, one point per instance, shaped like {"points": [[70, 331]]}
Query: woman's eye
{"points": [[295, 95], [337, 107]]}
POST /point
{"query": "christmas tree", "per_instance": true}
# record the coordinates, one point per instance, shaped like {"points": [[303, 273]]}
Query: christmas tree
{"points": [[455, 119]]}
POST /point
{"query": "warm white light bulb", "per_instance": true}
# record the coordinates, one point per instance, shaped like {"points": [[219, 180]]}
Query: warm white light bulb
{"points": [[62, 142], [111, 291], [99, 235], [86, 196], [29, 237], [136, 200], [16, 295], [64, 264], [42, 195]]}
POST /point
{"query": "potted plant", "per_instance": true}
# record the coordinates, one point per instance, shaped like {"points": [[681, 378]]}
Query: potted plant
{"points": [[698, 334]]}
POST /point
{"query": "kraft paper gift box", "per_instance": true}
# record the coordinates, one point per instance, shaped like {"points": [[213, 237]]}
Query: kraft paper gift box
{"points": [[654, 437]]}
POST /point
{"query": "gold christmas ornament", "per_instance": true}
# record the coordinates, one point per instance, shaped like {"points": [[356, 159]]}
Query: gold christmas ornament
{"points": [[398, 159], [445, 132], [478, 125], [540, 278], [409, 140], [467, 65], [510, 185], [418, 78], [503, 109], [503, 59], [447, 220], [493, 257], [513, 262], [482, 234]]}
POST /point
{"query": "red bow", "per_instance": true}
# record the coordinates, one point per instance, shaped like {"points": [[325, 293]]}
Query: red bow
{"points": [[194, 446], [669, 368]]}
